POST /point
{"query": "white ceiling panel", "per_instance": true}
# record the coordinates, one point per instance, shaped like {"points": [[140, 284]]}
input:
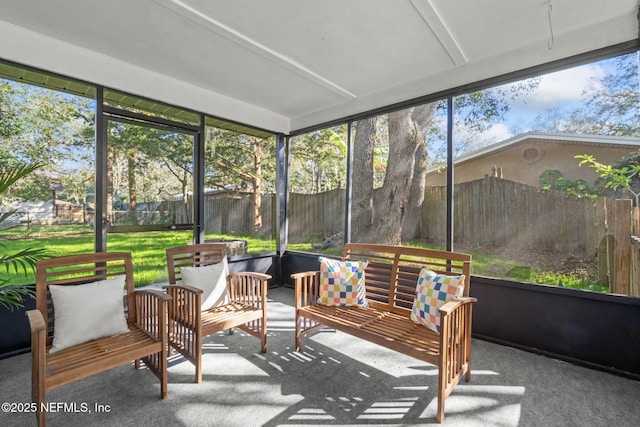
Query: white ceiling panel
{"points": [[289, 64]]}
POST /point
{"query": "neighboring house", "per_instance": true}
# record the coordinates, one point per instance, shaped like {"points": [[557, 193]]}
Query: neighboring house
{"points": [[49, 212], [523, 158]]}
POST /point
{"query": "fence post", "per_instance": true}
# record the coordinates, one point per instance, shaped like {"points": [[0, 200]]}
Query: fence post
{"points": [[619, 213], [634, 278]]}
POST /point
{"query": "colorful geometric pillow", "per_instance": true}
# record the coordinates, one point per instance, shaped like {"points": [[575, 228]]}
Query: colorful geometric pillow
{"points": [[342, 282], [432, 291]]}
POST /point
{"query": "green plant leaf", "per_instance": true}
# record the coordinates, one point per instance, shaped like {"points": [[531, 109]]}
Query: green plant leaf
{"points": [[22, 260], [10, 174], [12, 295]]}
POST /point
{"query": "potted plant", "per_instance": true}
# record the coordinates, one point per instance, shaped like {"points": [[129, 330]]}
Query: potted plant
{"points": [[13, 294]]}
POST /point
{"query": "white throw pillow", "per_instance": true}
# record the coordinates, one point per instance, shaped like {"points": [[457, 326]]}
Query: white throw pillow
{"points": [[212, 279], [86, 312]]}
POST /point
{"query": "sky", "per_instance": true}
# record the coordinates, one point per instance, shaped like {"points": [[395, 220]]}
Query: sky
{"points": [[564, 87], [561, 88]]}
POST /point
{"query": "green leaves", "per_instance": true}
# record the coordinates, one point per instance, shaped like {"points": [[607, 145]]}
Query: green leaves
{"points": [[11, 173], [21, 260], [615, 178], [11, 294], [554, 180]]}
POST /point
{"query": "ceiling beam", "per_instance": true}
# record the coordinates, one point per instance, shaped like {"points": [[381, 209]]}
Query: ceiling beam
{"points": [[435, 22], [211, 24]]}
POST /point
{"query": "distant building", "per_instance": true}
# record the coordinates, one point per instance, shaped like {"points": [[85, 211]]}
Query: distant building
{"points": [[523, 158], [46, 212]]}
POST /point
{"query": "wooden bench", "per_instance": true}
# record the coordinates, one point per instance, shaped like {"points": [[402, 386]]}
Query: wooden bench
{"points": [[188, 323], [145, 312], [391, 276]]}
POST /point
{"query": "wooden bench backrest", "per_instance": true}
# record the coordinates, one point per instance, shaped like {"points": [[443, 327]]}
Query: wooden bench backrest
{"points": [[193, 256], [74, 270], [392, 271]]}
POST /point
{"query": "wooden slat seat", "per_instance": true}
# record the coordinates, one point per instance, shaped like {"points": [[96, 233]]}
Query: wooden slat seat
{"points": [[382, 327], [391, 278], [188, 323], [101, 354], [145, 312]]}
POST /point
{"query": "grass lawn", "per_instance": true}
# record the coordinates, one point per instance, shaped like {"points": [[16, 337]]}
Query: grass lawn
{"points": [[488, 265], [148, 253], [147, 248]]}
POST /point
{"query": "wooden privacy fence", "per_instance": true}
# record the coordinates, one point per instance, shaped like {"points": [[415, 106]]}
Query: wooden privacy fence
{"points": [[317, 215], [494, 212], [490, 212], [310, 215], [232, 213]]}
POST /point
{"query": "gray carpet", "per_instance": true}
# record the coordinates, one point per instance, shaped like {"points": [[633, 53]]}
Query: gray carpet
{"points": [[335, 380]]}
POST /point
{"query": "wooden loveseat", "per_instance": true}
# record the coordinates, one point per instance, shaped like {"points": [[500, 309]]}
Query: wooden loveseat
{"points": [[246, 307], [390, 278], [56, 323]]}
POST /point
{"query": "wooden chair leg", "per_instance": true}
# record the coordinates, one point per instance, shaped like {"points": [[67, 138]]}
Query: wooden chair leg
{"points": [[298, 334], [164, 376], [199, 367], [441, 387], [197, 353], [38, 397], [38, 383], [440, 414], [40, 415], [263, 339]]}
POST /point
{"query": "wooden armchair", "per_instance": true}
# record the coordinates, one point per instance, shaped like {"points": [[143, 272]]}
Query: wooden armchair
{"points": [[62, 319], [245, 307]]}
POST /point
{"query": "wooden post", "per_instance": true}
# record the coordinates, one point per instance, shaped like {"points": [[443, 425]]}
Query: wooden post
{"points": [[635, 253], [619, 219]]}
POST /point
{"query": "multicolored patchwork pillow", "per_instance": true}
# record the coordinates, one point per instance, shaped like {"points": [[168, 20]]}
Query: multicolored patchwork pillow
{"points": [[342, 282], [432, 291]]}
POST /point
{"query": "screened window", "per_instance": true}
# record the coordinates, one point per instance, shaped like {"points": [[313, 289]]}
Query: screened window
{"points": [[317, 176], [531, 199], [239, 194], [50, 209]]}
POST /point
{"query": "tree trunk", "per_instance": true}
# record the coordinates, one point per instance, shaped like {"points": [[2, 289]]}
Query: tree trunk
{"points": [[399, 201], [184, 184], [362, 184], [131, 178], [390, 205], [422, 117], [108, 209], [257, 187]]}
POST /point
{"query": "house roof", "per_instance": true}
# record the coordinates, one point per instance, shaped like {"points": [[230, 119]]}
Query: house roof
{"points": [[287, 65], [566, 138]]}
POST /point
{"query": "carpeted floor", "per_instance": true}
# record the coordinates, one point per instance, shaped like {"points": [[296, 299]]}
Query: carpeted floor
{"points": [[335, 380]]}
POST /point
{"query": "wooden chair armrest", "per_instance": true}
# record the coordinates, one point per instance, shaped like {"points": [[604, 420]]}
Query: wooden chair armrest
{"points": [[151, 312], [451, 306], [261, 276], [184, 288], [303, 274], [36, 321], [186, 307], [455, 321], [306, 288], [248, 287], [155, 293], [38, 342]]}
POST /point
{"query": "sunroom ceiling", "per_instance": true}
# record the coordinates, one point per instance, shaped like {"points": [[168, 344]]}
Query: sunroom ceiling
{"points": [[284, 65]]}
